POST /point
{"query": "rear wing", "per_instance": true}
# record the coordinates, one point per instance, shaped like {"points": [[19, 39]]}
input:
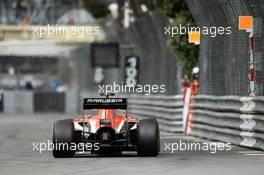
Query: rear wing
{"points": [[104, 103]]}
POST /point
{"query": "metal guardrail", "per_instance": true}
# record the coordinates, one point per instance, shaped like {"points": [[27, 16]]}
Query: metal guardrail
{"points": [[230, 104], [239, 120], [166, 109]]}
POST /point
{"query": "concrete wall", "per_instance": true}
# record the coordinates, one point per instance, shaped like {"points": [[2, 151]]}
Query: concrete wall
{"points": [[18, 102]]}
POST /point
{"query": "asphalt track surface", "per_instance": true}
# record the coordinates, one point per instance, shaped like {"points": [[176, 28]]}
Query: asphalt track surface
{"points": [[17, 134]]}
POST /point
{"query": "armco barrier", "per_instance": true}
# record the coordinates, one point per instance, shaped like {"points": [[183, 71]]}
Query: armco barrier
{"points": [[239, 120], [166, 109]]}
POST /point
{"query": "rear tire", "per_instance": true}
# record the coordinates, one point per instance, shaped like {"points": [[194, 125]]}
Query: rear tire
{"points": [[63, 136], [148, 138]]}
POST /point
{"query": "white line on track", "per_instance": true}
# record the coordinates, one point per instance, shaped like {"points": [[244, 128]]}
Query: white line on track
{"points": [[249, 152], [254, 154]]}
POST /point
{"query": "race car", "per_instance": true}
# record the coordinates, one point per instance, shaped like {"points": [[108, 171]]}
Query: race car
{"points": [[107, 132]]}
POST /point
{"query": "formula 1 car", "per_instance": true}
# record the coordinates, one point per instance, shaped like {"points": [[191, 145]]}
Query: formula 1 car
{"points": [[107, 132]]}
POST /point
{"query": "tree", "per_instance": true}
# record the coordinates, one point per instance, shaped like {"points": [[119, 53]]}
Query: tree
{"points": [[186, 52]]}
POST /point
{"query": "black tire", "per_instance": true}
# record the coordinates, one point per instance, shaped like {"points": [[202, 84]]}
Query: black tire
{"points": [[63, 136], [148, 138]]}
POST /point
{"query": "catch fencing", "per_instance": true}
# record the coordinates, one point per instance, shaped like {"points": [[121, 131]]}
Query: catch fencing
{"points": [[224, 59]]}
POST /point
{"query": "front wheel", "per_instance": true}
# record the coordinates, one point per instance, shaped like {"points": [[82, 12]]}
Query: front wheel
{"points": [[148, 138]]}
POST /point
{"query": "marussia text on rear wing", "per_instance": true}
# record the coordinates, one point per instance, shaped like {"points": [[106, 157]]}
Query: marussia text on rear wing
{"points": [[104, 103]]}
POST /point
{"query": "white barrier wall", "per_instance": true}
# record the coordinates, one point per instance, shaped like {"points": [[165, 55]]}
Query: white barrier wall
{"points": [[72, 105], [20, 102]]}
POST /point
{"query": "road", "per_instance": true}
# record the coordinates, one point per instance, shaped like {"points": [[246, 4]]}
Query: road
{"points": [[17, 134]]}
